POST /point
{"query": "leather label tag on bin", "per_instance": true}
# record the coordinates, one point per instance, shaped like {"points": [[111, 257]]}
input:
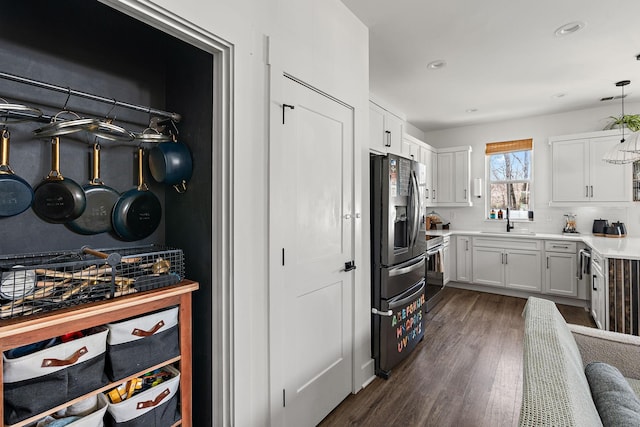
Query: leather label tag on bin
{"points": [[140, 333], [46, 363], [154, 402]]}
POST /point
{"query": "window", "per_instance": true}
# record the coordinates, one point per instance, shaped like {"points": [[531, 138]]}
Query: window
{"points": [[509, 180]]}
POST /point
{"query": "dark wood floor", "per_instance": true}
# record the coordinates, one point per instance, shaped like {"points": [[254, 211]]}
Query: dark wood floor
{"points": [[466, 372]]}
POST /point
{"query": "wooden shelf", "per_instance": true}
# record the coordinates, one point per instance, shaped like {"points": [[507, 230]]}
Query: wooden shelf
{"points": [[18, 332]]}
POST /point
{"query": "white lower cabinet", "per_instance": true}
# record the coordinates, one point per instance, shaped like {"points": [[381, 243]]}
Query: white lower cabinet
{"points": [[522, 270], [488, 266], [507, 268], [561, 269], [513, 264], [598, 291], [446, 277], [463, 259]]}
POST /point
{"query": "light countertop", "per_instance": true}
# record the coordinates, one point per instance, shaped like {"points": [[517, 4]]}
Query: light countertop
{"points": [[608, 247]]}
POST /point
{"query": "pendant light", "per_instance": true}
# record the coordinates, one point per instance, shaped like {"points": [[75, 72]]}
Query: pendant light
{"points": [[621, 154]]}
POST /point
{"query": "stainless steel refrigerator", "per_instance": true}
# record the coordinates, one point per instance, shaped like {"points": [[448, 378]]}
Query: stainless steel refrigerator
{"points": [[398, 246]]}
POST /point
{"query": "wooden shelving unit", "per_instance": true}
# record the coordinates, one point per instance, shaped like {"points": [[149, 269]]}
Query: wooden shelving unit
{"points": [[18, 332]]}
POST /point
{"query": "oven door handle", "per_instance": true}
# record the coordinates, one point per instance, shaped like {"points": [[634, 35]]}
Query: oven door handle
{"points": [[435, 250], [407, 267]]}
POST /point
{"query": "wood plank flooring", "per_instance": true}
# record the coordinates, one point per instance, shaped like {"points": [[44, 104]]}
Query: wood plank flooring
{"points": [[466, 372]]}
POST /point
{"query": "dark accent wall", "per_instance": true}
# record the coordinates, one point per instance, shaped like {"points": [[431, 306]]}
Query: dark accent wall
{"points": [[90, 47]]}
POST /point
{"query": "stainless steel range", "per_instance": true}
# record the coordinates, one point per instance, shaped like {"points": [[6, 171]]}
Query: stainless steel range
{"points": [[434, 273]]}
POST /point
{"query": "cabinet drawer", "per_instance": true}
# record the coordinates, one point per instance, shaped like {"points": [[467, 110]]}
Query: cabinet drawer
{"points": [[515, 243], [558, 246]]}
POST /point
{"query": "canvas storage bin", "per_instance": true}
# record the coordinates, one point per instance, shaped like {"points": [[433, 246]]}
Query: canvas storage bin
{"points": [[93, 419], [155, 407], [136, 344], [50, 377]]}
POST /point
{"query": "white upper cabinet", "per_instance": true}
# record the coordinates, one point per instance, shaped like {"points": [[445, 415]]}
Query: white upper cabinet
{"points": [[411, 148], [446, 176], [385, 130], [429, 158], [579, 175], [453, 177]]}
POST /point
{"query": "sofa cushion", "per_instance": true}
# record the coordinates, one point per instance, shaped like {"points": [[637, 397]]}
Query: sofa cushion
{"points": [[615, 400], [635, 385], [555, 389]]}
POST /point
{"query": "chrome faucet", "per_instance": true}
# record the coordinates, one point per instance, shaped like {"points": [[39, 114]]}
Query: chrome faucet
{"points": [[509, 225]]}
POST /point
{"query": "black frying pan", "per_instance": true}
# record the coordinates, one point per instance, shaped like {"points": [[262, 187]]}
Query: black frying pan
{"points": [[96, 217], [137, 212], [16, 195], [58, 199]]}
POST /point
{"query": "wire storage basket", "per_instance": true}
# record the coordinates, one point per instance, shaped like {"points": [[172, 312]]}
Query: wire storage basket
{"points": [[41, 282]]}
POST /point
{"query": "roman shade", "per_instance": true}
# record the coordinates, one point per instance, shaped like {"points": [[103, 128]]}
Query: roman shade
{"points": [[508, 146]]}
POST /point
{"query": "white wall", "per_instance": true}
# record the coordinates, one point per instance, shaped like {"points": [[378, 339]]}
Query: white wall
{"points": [[319, 42], [547, 219]]}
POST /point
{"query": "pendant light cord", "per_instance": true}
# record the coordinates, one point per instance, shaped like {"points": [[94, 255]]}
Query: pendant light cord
{"points": [[622, 140], [622, 84]]}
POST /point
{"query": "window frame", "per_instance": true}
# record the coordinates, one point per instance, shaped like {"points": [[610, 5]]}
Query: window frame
{"points": [[488, 182]]}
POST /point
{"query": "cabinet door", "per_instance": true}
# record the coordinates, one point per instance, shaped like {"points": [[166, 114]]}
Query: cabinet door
{"points": [[607, 182], [522, 270], [378, 139], [410, 149], [463, 259], [461, 176], [394, 125], [597, 289], [425, 159], [570, 161], [446, 171], [561, 274], [488, 267], [434, 175], [447, 264]]}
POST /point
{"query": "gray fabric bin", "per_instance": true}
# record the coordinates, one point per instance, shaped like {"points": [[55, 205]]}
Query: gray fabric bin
{"points": [[48, 378], [155, 407], [139, 343]]}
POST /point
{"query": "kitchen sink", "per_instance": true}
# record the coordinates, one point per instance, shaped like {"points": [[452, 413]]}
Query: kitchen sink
{"points": [[506, 233]]}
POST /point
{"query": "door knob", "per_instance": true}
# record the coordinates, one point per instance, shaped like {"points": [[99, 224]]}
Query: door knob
{"points": [[349, 265]]}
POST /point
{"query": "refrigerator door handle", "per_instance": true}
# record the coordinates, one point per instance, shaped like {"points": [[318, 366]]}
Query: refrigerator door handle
{"points": [[399, 303], [415, 204], [407, 267], [387, 313]]}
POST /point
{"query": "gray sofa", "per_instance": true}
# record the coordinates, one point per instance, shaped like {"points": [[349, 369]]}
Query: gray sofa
{"points": [[556, 390]]}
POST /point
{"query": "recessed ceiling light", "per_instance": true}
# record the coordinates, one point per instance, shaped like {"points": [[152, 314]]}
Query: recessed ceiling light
{"points": [[471, 110], [436, 65], [569, 28]]}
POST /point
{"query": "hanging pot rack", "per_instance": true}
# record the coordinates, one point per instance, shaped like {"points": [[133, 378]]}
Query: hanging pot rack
{"points": [[72, 92]]}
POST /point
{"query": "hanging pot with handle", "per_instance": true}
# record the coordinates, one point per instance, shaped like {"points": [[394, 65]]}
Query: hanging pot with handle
{"points": [[138, 211], [96, 217], [16, 195], [171, 163], [58, 199]]}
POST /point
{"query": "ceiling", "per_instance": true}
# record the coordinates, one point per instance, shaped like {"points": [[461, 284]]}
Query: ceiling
{"points": [[503, 59]]}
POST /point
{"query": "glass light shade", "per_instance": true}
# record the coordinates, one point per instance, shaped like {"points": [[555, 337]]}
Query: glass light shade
{"points": [[617, 156], [631, 144]]}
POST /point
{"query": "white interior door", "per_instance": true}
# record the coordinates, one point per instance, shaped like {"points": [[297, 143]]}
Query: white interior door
{"points": [[312, 199]]}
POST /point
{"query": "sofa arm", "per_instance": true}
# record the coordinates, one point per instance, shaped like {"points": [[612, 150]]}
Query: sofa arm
{"points": [[616, 349]]}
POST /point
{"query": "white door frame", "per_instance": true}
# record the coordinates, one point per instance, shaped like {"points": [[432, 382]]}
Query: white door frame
{"points": [[222, 352]]}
